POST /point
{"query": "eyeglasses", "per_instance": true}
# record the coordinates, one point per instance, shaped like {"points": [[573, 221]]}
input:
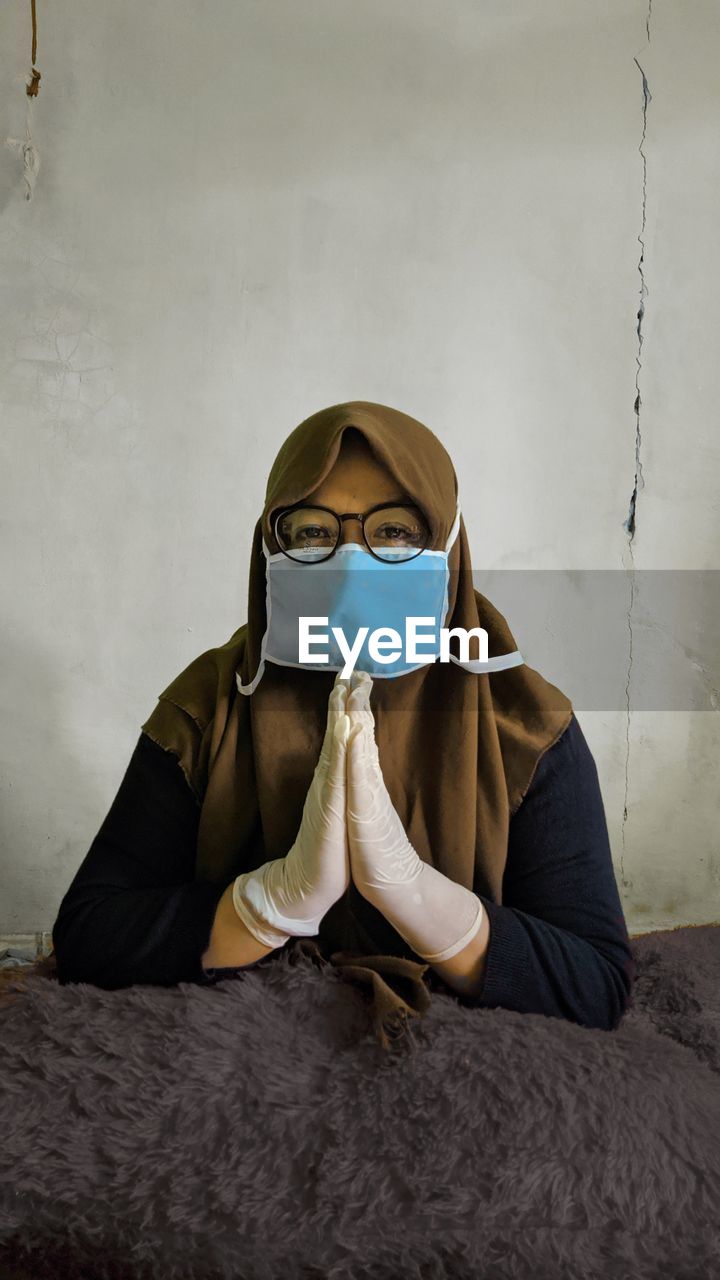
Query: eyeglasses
{"points": [[392, 532]]}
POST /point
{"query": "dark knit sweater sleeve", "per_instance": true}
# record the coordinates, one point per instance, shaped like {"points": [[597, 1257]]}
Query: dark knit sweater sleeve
{"points": [[134, 912], [558, 943]]}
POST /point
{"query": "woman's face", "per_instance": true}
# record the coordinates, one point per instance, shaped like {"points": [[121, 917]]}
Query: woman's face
{"points": [[356, 482]]}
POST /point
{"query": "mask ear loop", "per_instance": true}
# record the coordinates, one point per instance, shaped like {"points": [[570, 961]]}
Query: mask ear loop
{"points": [[454, 530], [502, 661], [455, 527]]}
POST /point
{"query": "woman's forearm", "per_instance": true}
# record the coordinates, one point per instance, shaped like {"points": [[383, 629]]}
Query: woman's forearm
{"points": [[465, 972], [231, 942]]}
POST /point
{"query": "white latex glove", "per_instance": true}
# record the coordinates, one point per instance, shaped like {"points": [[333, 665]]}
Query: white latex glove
{"points": [[436, 916], [289, 896]]}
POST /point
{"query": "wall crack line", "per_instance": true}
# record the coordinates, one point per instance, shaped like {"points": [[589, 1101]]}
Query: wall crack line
{"points": [[629, 524]]}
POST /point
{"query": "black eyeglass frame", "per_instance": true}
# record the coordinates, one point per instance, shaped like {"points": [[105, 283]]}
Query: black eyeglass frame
{"points": [[362, 516]]}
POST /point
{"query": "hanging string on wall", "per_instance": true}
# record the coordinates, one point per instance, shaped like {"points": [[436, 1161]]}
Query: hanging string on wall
{"points": [[32, 88], [25, 147]]}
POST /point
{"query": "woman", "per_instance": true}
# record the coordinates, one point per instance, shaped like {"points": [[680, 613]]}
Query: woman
{"points": [[429, 824]]}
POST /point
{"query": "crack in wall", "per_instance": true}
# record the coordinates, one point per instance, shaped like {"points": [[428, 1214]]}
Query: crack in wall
{"points": [[629, 524], [627, 884]]}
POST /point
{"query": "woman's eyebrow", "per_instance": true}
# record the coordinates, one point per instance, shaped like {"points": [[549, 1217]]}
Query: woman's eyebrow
{"points": [[397, 502], [386, 502], [403, 502]]}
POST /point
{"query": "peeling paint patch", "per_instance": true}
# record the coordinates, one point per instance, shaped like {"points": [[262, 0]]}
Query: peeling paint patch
{"points": [[26, 148]]}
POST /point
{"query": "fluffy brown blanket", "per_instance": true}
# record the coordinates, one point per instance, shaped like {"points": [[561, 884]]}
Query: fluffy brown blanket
{"points": [[257, 1131]]}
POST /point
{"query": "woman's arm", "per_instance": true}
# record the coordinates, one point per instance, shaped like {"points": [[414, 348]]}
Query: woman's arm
{"points": [[465, 972], [231, 942], [134, 912], [558, 944]]}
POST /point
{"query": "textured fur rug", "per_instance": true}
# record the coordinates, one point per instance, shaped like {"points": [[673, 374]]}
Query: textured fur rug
{"points": [[258, 1131]]}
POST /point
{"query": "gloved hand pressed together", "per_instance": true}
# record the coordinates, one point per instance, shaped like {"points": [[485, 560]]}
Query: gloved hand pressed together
{"points": [[289, 896], [436, 916], [350, 828]]}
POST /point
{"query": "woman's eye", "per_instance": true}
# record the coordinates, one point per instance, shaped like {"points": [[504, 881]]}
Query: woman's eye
{"points": [[393, 532], [311, 533]]}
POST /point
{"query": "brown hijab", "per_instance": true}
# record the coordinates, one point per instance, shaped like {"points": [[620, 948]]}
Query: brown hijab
{"points": [[458, 750]]}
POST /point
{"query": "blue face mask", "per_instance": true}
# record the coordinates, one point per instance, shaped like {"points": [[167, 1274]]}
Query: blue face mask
{"points": [[354, 590]]}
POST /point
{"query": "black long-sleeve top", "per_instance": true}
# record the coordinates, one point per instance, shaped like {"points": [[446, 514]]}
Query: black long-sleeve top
{"points": [[558, 943]]}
